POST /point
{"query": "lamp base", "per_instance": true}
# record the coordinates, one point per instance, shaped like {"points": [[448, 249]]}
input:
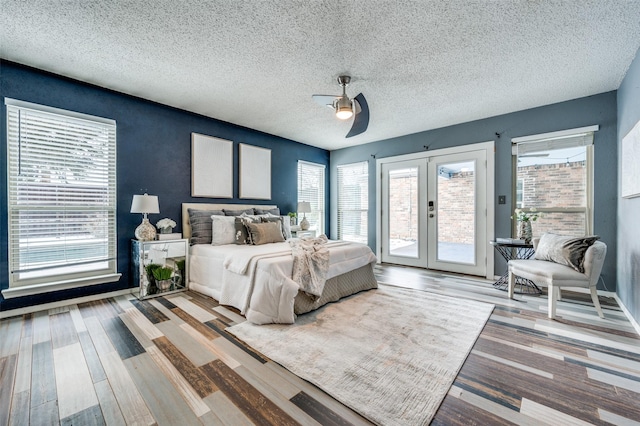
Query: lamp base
{"points": [[145, 231], [304, 224]]}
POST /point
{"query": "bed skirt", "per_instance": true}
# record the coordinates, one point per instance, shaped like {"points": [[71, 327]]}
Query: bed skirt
{"points": [[336, 288]]}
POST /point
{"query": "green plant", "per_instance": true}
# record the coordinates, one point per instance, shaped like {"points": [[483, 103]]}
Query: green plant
{"points": [[180, 265], [149, 269], [162, 273], [292, 214]]}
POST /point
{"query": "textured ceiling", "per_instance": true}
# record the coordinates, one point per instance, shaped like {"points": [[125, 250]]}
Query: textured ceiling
{"points": [[420, 64]]}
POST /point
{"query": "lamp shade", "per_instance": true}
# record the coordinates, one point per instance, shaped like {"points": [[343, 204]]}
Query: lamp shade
{"points": [[304, 207], [145, 204]]}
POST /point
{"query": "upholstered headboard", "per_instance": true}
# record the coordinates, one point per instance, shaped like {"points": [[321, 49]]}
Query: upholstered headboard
{"points": [[186, 226]]}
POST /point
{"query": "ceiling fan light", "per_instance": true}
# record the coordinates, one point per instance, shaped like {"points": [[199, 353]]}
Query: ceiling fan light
{"points": [[344, 113], [344, 108]]}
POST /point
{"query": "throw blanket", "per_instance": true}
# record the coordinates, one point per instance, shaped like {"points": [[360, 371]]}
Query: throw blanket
{"points": [[310, 264]]}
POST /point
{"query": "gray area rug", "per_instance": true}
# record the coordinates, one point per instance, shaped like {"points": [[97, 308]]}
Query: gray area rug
{"points": [[390, 354]]}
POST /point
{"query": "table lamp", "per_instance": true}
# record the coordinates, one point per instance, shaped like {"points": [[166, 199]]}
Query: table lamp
{"points": [[145, 204], [304, 207]]}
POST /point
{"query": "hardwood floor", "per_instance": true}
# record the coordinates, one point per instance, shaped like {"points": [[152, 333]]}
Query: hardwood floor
{"points": [[169, 361]]}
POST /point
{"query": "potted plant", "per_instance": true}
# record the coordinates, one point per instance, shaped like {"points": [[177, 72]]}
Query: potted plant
{"points": [[292, 217], [152, 289], [163, 277]]}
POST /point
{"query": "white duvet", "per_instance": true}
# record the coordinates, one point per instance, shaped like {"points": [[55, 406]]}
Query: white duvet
{"points": [[257, 279]]}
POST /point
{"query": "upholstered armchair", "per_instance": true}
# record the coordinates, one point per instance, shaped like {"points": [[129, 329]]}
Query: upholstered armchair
{"points": [[564, 272]]}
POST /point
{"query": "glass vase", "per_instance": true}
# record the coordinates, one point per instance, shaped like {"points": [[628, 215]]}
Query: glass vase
{"points": [[524, 231]]}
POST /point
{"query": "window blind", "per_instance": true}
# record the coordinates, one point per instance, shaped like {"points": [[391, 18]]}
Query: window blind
{"points": [[62, 194], [353, 202], [311, 189]]}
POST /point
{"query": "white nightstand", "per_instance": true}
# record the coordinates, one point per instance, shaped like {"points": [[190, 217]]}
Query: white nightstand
{"points": [[169, 253], [300, 233]]}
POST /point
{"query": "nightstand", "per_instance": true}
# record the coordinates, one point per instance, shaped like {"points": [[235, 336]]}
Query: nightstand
{"points": [[147, 255], [300, 233]]}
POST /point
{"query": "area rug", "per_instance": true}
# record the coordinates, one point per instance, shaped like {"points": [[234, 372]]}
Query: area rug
{"points": [[390, 354]]}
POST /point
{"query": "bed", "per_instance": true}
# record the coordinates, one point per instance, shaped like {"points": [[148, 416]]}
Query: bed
{"points": [[256, 279]]}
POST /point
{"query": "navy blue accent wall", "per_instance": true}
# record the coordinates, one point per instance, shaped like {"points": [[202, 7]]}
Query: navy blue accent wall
{"points": [[154, 156], [598, 109], [629, 208]]}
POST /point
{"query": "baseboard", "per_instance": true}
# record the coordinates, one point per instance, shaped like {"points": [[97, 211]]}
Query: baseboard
{"points": [[632, 320], [60, 303]]}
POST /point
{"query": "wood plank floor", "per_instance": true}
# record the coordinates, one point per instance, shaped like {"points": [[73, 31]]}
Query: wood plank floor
{"points": [[168, 361]]}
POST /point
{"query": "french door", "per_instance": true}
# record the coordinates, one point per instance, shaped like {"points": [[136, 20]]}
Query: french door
{"points": [[434, 212]]}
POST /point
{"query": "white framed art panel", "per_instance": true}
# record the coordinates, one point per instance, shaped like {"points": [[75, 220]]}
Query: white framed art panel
{"points": [[211, 167], [629, 170], [255, 172]]}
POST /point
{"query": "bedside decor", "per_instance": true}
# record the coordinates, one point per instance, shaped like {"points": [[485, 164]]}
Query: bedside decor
{"points": [[165, 225], [292, 218], [162, 275], [304, 207], [145, 204]]}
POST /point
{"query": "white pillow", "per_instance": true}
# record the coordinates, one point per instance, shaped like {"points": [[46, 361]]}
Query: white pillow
{"points": [[286, 227], [223, 230]]}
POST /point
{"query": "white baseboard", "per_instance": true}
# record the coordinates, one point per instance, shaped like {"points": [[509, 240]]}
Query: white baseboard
{"points": [[60, 303], [632, 320]]}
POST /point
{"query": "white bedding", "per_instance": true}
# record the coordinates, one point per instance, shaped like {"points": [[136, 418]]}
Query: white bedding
{"points": [[257, 279]]}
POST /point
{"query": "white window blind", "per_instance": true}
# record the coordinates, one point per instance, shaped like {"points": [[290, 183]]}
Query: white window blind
{"points": [[311, 189], [62, 195], [353, 202]]}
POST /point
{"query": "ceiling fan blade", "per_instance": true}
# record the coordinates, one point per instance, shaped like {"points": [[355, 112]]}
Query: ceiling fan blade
{"points": [[361, 121], [326, 100]]}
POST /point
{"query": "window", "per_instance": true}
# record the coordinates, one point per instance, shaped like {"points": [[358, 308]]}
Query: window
{"points": [[353, 202], [311, 189], [62, 197], [555, 175]]}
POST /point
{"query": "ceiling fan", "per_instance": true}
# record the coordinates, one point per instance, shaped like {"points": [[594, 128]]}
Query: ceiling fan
{"points": [[346, 108]]}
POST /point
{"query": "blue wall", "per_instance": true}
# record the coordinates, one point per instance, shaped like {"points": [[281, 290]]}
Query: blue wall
{"points": [[154, 156], [629, 208], [598, 109]]}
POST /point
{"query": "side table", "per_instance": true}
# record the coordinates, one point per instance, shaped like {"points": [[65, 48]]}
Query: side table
{"points": [[515, 251]]}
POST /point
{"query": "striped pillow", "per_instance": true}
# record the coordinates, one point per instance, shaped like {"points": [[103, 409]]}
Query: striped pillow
{"points": [[201, 224]]}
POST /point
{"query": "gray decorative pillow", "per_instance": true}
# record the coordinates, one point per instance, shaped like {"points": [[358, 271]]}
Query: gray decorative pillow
{"points": [[242, 235], [264, 233], [223, 230], [274, 211], [228, 212], [564, 250], [200, 221], [275, 219]]}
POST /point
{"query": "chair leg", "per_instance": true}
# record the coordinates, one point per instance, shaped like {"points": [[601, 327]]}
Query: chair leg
{"points": [[596, 302], [553, 298], [512, 283]]}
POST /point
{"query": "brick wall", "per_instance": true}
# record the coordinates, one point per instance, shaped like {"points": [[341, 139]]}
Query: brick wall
{"points": [[556, 185]]}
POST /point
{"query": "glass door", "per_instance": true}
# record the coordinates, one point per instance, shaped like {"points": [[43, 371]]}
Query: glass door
{"points": [[457, 216], [404, 236]]}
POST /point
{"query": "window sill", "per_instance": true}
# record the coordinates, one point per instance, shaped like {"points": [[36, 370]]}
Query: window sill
{"points": [[29, 290]]}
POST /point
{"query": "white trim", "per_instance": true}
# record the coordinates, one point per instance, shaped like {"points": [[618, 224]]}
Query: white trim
{"points": [[51, 110], [67, 302], [29, 290], [313, 164], [558, 134], [490, 149], [626, 311]]}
